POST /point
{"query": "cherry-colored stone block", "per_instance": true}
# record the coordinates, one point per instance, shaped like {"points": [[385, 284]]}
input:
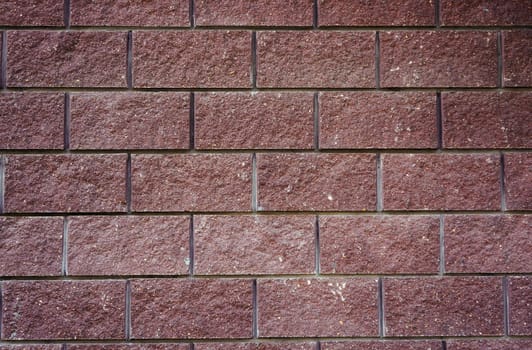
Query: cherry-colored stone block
{"points": [[32, 13], [517, 58], [520, 304], [485, 12], [382, 345], [489, 344], [518, 180]]}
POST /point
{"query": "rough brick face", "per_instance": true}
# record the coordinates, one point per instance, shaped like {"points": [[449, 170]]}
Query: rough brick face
{"points": [[69, 59], [517, 179], [32, 13], [226, 245], [179, 308], [377, 120], [485, 12], [438, 59], [292, 182], [347, 307], [144, 346], [520, 302], [31, 120], [382, 345], [32, 347], [315, 59], [130, 120], [259, 346], [261, 120], [128, 245], [495, 344], [63, 309], [517, 58]]}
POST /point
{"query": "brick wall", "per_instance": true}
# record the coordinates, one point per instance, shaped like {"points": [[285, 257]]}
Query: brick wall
{"points": [[266, 175]]}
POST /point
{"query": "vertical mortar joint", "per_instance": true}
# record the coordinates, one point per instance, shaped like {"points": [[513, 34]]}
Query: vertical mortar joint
{"points": [[128, 310], [254, 184], [380, 201], [128, 183], [255, 310], [3, 62], [191, 247], [192, 14], [381, 308], [317, 243], [503, 182], [315, 22], [64, 261], [506, 306], [66, 124], [442, 245], [439, 121], [2, 182], [192, 122], [66, 14]]}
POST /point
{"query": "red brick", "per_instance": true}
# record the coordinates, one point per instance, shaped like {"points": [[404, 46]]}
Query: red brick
{"points": [[143, 346], [32, 347], [438, 59], [379, 244], [441, 182], [170, 13], [485, 12], [192, 59], [289, 182], [517, 58], [188, 182], [382, 345], [489, 344], [63, 309], [488, 243], [191, 308], [376, 13], [253, 13], [66, 59], [65, 183], [130, 120], [378, 120], [453, 306], [128, 245], [468, 117], [520, 300], [31, 120], [31, 246], [261, 120], [255, 346], [518, 180], [294, 59], [227, 245], [312, 307], [32, 13]]}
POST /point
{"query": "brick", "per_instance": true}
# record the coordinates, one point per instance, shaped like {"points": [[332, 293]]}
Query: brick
{"points": [[144, 346], [382, 345], [254, 121], [63, 310], [489, 344], [32, 13], [253, 13], [227, 245], [293, 59], [66, 59], [485, 13], [335, 307], [128, 245], [378, 120], [31, 246], [188, 182], [441, 182], [520, 303], [517, 58], [256, 346], [169, 13], [379, 244], [31, 347], [31, 120], [453, 306], [376, 13], [468, 117], [192, 59], [191, 308], [517, 180], [322, 182], [130, 120], [65, 183], [488, 243], [438, 59]]}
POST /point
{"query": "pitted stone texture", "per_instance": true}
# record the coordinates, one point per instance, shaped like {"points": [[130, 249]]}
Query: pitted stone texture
{"points": [[517, 58], [520, 300], [485, 13], [382, 345], [32, 347], [32, 13], [251, 346], [143, 346], [489, 344], [518, 180]]}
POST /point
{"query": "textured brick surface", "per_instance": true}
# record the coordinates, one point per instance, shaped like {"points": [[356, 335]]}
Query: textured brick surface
{"points": [[189, 59], [128, 245], [492, 344], [382, 345], [262, 120], [378, 120], [520, 302], [31, 121], [453, 306], [227, 245], [30, 246], [32, 347], [70, 59], [316, 181], [204, 182], [258, 346], [347, 307], [376, 13], [518, 180], [433, 59], [31, 13], [468, 117], [441, 181], [488, 243], [129, 120], [517, 58], [253, 12], [191, 308], [172, 13], [143, 346], [379, 244], [315, 59], [485, 12], [63, 309]]}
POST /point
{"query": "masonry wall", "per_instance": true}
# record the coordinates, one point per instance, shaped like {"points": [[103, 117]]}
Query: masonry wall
{"points": [[283, 174]]}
